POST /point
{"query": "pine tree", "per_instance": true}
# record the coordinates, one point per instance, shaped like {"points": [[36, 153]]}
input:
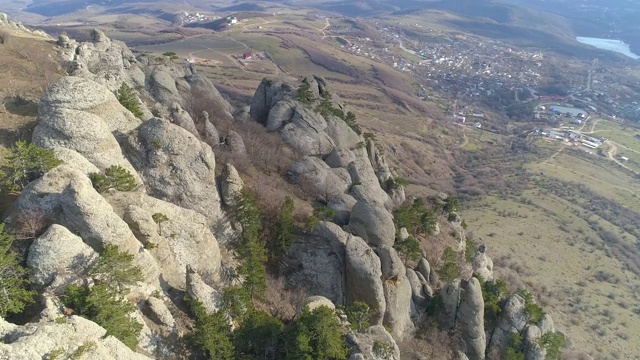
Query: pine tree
{"points": [[250, 250], [285, 229], [128, 99], [258, 337], [115, 268], [115, 177], [25, 163], [408, 249], [358, 315], [315, 335], [212, 333], [159, 218], [14, 281]]}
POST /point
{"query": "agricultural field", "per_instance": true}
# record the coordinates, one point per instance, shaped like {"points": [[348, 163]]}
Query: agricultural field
{"points": [[570, 234]]}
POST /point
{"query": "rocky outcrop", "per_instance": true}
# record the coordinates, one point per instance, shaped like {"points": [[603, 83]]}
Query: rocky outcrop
{"points": [[40, 340], [83, 116], [58, 256], [470, 318], [317, 262], [182, 239], [231, 185], [482, 264], [308, 132], [318, 179], [397, 292], [175, 166], [364, 278], [183, 119], [314, 302], [209, 297], [373, 344], [342, 204], [102, 60], [373, 223]]}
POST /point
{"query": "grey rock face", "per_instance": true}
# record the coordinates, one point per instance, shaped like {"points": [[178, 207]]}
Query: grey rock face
{"points": [[75, 160], [363, 278], [451, 297], [342, 204], [231, 186], [183, 119], [197, 289], [91, 216], [397, 292], [361, 344], [317, 262], [482, 264], [37, 340], [314, 302], [373, 223], [184, 239], [176, 166], [511, 320], [235, 143], [161, 312], [424, 268], [471, 319], [58, 254], [318, 179], [418, 295]]}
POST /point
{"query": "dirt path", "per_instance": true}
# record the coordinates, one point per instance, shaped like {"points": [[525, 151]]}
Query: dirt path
{"points": [[593, 126], [613, 150]]}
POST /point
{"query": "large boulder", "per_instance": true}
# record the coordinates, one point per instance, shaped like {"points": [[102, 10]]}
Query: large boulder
{"points": [[203, 90], [181, 239], [317, 262], [183, 119], [82, 94], [512, 320], [450, 294], [231, 185], [58, 255], [364, 278], [197, 289], [373, 222], [176, 166], [87, 213], [470, 319], [107, 62], [342, 204], [318, 179], [40, 340], [370, 343], [482, 264], [397, 292]]}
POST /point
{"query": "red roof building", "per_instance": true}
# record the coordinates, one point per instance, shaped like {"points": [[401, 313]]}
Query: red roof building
{"points": [[247, 55]]}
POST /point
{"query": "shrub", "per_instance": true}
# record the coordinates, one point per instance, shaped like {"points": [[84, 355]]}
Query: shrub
{"points": [[493, 293], [449, 270], [249, 248], [115, 269], [212, 333], [416, 218], [14, 281], [515, 349], [169, 54], [532, 311], [258, 337], [383, 350], [358, 315], [305, 95], [324, 213], [392, 183], [350, 119], [101, 305], [285, 229], [159, 218], [115, 177], [128, 99], [470, 250], [236, 303], [553, 342], [451, 205], [24, 163], [314, 335], [408, 249]]}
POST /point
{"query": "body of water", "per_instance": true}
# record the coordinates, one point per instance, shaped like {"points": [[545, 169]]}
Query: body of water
{"points": [[609, 44]]}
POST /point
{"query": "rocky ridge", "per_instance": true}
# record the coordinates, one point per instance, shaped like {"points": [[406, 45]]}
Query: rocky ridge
{"points": [[348, 259]]}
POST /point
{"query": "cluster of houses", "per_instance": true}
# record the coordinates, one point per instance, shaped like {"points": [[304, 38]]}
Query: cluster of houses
{"points": [[572, 136]]}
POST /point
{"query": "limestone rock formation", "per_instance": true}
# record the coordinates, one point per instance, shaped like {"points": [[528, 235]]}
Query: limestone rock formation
{"points": [[183, 119], [58, 255], [397, 292], [314, 302], [471, 319], [318, 179], [342, 204], [373, 223], [184, 239], [425, 269], [317, 262], [363, 278], [482, 264], [161, 312], [231, 185], [175, 166], [39, 340], [196, 288], [363, 345]]}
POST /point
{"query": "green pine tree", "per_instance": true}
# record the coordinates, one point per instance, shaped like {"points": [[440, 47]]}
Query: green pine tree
{"points": [[315, 335], [14, 281], [258, 337], [449, 270], [115, 177], [285, 233], [115, 268], [358, 315], [24, 163], [408, 249], [128, 99], [250, 249], [212, 333]]}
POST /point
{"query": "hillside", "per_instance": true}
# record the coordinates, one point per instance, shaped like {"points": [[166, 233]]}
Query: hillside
{"points": [[341, 138]]}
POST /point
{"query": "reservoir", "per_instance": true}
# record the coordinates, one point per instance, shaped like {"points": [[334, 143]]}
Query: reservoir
{"points": [[609, 44]]}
